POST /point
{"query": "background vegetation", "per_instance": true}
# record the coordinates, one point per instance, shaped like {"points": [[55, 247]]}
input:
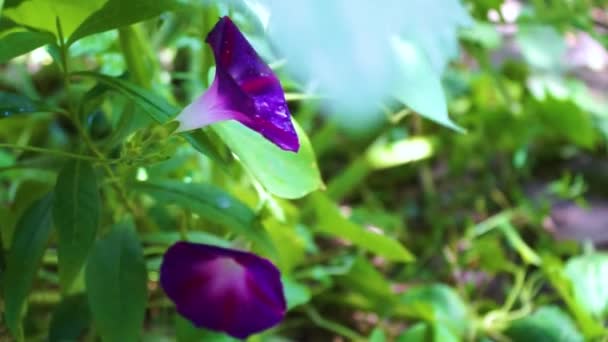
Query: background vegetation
{"points": [[404, 231]]}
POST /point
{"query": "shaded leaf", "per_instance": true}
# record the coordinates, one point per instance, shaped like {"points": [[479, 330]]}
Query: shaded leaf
{"points": [[116, 284], [23, 259], [70, 319], [13, 104], [76, 212], [547, 324], [212, 204]]}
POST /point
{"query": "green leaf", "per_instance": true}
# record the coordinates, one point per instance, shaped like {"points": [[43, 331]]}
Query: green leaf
{"points": [[419, 86], [588, 274], [14, 104], [23, 259], [41, 14], [212, 204], [547, 324], [187, 332], [118, 13], [445, 307], [116, 283], [282, 173], [16, 43], [76, 212], [295, 293], [158, 108], [542, 46], [424, 332], [331, 222], [70, 319]]}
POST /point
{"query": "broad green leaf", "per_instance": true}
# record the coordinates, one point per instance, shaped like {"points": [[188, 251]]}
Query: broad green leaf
{"points": [[425, 332], [589, 276], [202, 142], [14, 104], [187, 332], [295, 293], [76, 212], [446, 308], [564, 118], [70, 319], [419, 86], [547, 324], [542, 46], [377, 335], [116, 283], [118, 13], [375, 288], [331, 222], [383, 154], [42, 14], [16, 43], [283, 173], [23, 259], [212, 204]]}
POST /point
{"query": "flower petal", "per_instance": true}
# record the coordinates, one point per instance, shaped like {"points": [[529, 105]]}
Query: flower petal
{"points": [[244, 89], [223, 289]]}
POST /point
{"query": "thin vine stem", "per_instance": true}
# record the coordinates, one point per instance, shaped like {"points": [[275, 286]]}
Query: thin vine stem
{"points": [[58, 153]]}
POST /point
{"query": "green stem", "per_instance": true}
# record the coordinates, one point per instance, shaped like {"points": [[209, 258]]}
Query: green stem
{"points": [[58, 153], [337, 328]]}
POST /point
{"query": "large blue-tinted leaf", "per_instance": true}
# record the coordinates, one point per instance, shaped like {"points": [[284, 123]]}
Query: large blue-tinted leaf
{"points": [[118, 13], [116, 285], [76, 213], [419, 86], [282, 173], [29, 241]]}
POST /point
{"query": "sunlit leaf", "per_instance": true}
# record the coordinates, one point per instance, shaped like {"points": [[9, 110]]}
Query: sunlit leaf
{"points": [[588, 274], [118, 13], [283, 173], [42, 14]]}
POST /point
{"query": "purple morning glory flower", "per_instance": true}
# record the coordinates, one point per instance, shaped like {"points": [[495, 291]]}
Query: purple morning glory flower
{"points": [[222, 289], [245, 89]]}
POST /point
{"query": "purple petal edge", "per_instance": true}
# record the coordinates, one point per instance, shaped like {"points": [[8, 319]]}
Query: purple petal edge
{"points": [[222, 289], [244, 89]]}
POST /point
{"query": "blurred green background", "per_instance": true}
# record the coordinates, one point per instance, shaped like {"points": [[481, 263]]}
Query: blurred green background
{"points": [[489, 224]]}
